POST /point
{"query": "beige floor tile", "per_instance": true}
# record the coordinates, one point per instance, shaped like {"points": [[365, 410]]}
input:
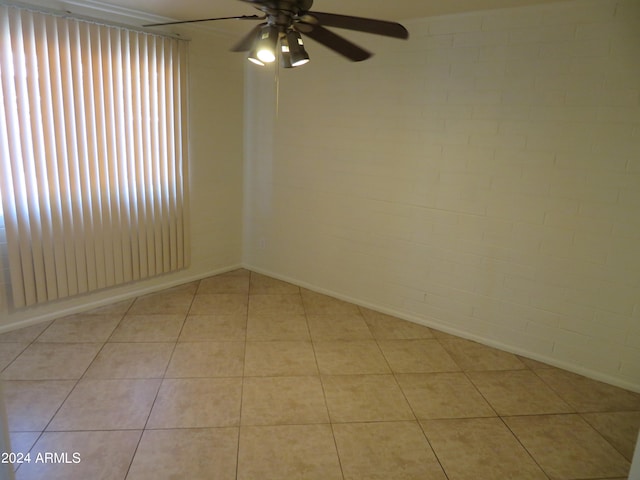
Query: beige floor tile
{"points": [[443, 395], [9, 352], [283, 401], [196, 454], [269, 359], [417, 356], [567, 447], [338, 326], [225, 283], [518, 392], [319, 304], [106, 405], [480, 449], [206, 359], [103, 455], [277, 327], [52, 361], [31, 405], [131, 360], [214, 328], [365, 398], [261, 284], [219, 304], [472, 356], [197, 403], [619, 428], [81, 328], [177, 302], [586, 395], [350, 358], [290, 304], [288, 452], [385, 451], [24, 335], [148, 328], [387, 327]]}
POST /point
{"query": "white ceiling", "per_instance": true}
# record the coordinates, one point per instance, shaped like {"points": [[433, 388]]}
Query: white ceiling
{"points": [[396, 10], [384, 9]]}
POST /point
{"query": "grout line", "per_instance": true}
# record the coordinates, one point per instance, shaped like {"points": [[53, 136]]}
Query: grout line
{"points": [[324, 391], [244, 363], [433, 450], [582, 416], [524, 447], [161, 381]]}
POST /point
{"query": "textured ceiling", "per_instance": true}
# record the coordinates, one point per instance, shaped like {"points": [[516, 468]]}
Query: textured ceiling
{"points": [[388, 9], [396, 10]]}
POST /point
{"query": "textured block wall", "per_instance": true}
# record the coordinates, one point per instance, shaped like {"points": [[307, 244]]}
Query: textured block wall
{"points": [[483, 178]]}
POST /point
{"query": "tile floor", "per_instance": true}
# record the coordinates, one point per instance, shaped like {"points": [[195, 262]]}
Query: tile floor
{"points": [[241, 376]]}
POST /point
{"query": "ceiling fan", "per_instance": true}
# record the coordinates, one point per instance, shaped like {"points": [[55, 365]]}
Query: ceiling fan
{"points": [[286, 22]]}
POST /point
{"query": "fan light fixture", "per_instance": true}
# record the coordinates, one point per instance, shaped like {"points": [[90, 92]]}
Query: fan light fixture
{"points": [[298, 54], [292, 52], [265, 48]]}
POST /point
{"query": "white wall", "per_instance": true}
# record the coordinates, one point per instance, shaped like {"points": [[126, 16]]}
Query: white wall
{"points": [[215, 182], [482, 178]]}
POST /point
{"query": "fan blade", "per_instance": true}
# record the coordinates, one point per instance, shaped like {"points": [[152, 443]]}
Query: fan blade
{"points": [[337, 43], [248, 40], [241, 17], [368, 25]]}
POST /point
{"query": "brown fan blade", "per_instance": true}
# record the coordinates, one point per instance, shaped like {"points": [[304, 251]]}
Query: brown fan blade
{"points": [[248, 40], [337, 43], [368, 25], [241, 17]]}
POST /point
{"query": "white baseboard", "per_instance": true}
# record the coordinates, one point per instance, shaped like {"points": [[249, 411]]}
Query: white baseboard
{"points": [[102, 298], [432, 323]]}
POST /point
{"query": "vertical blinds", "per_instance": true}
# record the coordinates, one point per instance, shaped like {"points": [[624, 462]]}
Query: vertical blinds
{"points": [[92, 154]]}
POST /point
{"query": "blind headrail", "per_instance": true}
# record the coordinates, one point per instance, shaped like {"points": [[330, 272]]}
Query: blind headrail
{"points": [[67, 14]]}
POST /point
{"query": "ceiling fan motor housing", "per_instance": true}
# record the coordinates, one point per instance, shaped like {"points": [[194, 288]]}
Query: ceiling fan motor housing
{"points": [[282, 13]]}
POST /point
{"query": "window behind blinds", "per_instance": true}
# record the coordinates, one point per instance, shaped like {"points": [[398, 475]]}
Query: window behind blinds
{"points": [[92, 154]]}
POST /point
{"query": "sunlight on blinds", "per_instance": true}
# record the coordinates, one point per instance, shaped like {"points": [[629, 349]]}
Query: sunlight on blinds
{"points": [[92, 154]]}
